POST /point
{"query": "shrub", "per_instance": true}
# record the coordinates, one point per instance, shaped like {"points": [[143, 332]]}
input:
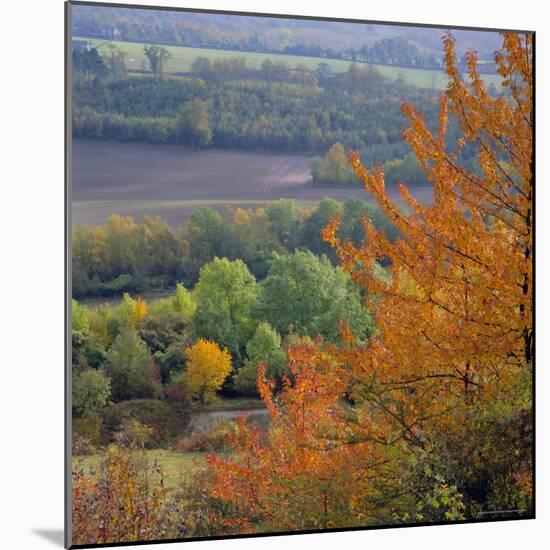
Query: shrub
{"points": [[87, 433], [212, 439], [91, 392], [177, 394], [131, 368], [167, 420], [127, 503]]}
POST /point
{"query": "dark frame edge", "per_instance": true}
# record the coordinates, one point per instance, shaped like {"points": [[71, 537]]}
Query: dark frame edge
{"points": [[303, 532], [68, 277], [534, 272]]}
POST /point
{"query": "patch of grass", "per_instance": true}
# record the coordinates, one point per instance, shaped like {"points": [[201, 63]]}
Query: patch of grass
{"points": [[177, 466], [183, 57]]}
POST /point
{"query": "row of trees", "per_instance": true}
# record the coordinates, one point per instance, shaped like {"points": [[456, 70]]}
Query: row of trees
{"points": [[291, 41], [275, 108], [226, 306], [334, 167], [192, 344], [126, 256], [88, 62]]}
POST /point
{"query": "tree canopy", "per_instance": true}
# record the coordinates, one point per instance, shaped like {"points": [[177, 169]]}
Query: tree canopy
{"points": [[304, 293], [411, 427]]}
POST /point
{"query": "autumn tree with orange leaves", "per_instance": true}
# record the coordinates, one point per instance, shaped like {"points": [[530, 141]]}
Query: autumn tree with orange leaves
{"points": [[431, 420]]}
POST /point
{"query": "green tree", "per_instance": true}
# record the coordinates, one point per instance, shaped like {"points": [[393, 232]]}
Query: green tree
{"points": [[157, 56], [84, 260], [130, 367], [117, 247], [206, 235], [323, 70], [327, 210], [284, 216], [192, 123], [306, 294], [89, 64], [181, 304], [159, 252], [334, 167], [202, 66], [354, 211], [79, 318], [225, 294], [116, 62], [406, 170], [91, 392], [263, 348], [256, 239]]}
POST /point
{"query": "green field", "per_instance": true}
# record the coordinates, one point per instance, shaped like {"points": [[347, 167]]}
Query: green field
{"points": [[183, 57], [176, 465]]}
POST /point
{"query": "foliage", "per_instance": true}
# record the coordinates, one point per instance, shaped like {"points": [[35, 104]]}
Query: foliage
{"points": [[225, 293], [306, 294], [91, 392], [351, 225], [304, 478], [206, 236], [87, 433], [279, 108], [263, 348], [157, 56], [333, 167], [116, 62], [159, 257], [405, 394], [137, 434], [79, 318], [207, 367], [405, 169], [315, 222], [192, 125], [168, 420], [123, 256], [430, 421], [128, 503], [284, 216], [256, 239], [130, 368], [212, 439], [88, 64]]}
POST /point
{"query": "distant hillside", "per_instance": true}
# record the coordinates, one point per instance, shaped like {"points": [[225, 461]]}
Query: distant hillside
{"points": [[270, 34]]}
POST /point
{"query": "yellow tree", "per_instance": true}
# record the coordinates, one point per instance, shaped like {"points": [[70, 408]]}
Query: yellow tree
{"points": [[140, 311], [207, 368]]}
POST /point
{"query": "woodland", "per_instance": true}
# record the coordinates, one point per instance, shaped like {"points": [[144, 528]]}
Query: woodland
{"points": [[360, 364]]}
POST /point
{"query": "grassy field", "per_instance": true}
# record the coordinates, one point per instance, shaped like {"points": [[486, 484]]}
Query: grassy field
{"points": [[183, 57], [176, 465]]}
